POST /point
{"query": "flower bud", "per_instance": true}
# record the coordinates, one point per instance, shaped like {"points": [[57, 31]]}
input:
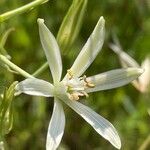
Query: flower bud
{"points": [[71, 24]]}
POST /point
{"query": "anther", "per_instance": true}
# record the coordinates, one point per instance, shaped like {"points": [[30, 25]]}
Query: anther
{"points": [[70, 74], [73, 96], [88, 84]]}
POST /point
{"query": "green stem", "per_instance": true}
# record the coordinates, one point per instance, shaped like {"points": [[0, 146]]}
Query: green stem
{"points": [[20, 10], [14, 67], [3, 51], [5, 36], [40, 70], [145, 144]]}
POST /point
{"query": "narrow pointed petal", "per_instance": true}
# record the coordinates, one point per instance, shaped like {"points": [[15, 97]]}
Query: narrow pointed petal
{"points": [[36, 87], [100, 124], [125, 59], [51, 50], [56, 127], [90, 49], [113, 79]]}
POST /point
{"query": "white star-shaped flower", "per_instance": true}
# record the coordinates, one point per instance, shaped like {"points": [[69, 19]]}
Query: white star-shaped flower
{"points": [[74, 86]]}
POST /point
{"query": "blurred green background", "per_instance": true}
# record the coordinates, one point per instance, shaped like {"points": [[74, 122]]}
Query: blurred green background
{"points": [[124, 107]]}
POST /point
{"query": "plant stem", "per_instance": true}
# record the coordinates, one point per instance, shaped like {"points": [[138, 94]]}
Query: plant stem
{"points": [[5, 36], [14, 67], [40, 70], [145, 144], [21, 9]]}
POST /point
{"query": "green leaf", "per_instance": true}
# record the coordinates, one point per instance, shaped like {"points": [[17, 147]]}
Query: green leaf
{"points": [[6, 110]]}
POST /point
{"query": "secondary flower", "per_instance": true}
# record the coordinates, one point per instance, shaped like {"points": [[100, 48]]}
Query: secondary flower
{"points": [[74, 86], [143, 82]]}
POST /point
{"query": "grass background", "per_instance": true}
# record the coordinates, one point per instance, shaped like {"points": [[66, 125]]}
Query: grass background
{"points": [[124, 107]]}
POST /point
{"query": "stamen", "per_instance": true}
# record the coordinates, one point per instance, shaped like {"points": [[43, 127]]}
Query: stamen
{"points": [[83, 78], [73, 96], [76, 86], [85, 94], [88, 84], [70, 74]]}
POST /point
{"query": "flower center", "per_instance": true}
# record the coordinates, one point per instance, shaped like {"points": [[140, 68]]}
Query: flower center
{"points": [[75, 86]]}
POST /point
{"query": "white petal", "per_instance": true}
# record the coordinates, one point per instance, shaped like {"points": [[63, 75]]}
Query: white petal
{"points": [[144, 79], [51, 49], [37, 87], [101, 125], [56, 127], [125, 59], [113, 79], [90, 49]]}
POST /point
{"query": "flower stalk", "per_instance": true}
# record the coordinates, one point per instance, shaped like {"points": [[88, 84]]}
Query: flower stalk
{"points": [[20, 10], [14, 67]]}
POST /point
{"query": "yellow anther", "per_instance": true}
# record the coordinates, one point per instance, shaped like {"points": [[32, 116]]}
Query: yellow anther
{"points": [[73, 96], [83, 78], [76, 86], [70, 74], [88, 84]]}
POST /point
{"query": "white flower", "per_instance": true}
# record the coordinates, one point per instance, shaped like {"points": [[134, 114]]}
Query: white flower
{"points": [[74, 87], [143, 82]]}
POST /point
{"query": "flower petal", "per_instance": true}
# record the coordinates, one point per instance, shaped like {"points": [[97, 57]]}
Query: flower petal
{"points": [[56, 126], [51, 50], [90, 49], [113, 79], [37, 87], [126, 60], [144, 79], [101, 125]]}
